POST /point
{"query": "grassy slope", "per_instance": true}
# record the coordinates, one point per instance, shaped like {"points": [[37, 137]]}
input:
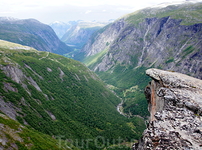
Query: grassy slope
{"points": [[83, 107], [95, 59], [189, 13]]}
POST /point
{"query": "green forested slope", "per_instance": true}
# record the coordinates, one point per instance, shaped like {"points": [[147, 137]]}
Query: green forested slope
{"points": [[15, 136], [62, 98]]}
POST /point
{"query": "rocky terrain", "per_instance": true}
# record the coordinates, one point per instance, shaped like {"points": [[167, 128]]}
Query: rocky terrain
{"points": [[33, 33], [175, 106]]}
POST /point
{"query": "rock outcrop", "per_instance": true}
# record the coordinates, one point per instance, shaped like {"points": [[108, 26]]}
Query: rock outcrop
{"points": [[175, 105]]}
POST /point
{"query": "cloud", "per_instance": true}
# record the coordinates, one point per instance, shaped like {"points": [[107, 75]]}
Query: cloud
{"points": [[7, 12], [68, 10], [88, 11]]}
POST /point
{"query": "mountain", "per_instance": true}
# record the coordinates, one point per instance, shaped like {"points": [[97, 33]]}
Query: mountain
{"points": [[79, 34], [60, 99], [175, 112], [31, 32], [60, 28], [166, 37]]}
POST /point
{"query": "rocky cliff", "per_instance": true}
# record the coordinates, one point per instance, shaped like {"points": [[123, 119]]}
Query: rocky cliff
{"points": [[165, 37], [175, 105], [168, 38], [33, 33]]}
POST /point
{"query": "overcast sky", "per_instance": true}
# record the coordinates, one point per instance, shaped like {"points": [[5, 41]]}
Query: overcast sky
{"points": [[48, 11]]}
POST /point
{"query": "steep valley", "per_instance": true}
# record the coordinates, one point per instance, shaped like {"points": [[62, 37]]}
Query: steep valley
{"points": [[78, 35], [166, 37], [49, 101], [60, 97]]}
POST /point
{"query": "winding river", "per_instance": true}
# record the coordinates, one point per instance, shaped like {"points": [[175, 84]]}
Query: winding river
{"points": [[119, 108]]}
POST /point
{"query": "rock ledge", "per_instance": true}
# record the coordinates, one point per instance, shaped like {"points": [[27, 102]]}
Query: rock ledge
{"points": [[175, 105]]}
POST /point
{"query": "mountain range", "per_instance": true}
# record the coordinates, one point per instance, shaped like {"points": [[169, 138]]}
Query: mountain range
{"points": [[48, 101], [33, 33], [79, 34], [61, 28]]}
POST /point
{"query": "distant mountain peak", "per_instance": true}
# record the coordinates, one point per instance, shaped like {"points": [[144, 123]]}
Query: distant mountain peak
{"points": [[8, 19], [57, 23]]}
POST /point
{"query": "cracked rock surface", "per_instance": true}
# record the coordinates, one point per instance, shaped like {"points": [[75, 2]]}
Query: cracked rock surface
{"points": [[175, 105]]}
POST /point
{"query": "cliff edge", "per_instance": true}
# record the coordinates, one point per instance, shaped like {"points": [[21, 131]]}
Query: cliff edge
{"points": [[175, 106]]}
